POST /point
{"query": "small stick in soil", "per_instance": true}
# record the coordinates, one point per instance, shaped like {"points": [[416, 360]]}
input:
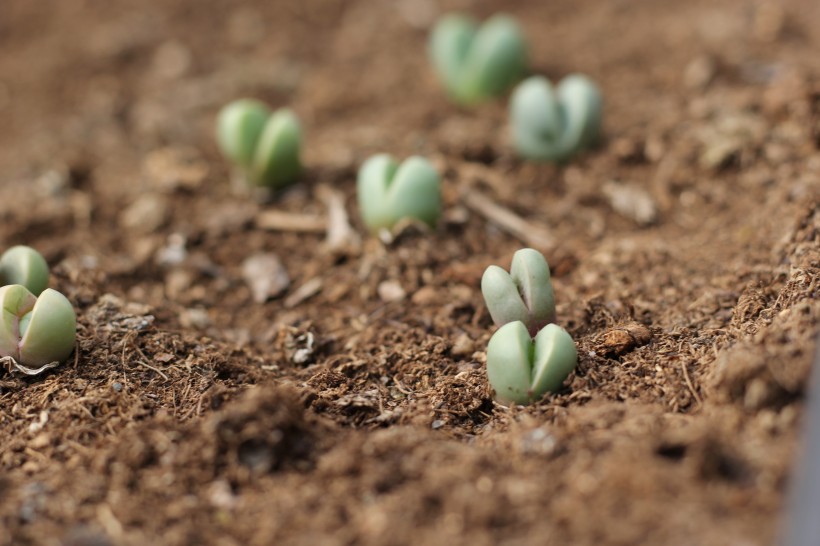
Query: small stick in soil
{"points": [[401, 387], [304, 292], [528, 233], [689, 383], [275, 220], [109, 521], [145, 364]]}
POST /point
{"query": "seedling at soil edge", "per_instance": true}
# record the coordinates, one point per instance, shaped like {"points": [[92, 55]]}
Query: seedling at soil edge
{"points": [[522, 370], [36, 331], [554, 123], [475, 63], [389, 192], [524, 294], [24, 265], [264, 145]]}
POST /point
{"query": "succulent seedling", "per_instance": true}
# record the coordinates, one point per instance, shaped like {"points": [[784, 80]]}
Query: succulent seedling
{"points": [[264, 145], [35, 331], [389, 192], [524, 294], [24, 265], [476, 63], [521, 370], [554, 123]]}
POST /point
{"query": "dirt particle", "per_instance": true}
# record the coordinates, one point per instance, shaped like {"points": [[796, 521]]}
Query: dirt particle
{"points": [[146, 215], [425, 295], [391, 291], [632, 202], [40, 441], [195, 317], [266, 276], [622, 339], [699, 72], [463, 346], [172, 168]]}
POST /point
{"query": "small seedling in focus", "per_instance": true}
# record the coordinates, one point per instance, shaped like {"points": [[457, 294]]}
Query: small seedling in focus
{"points": [[389, 192], [476, 63], [524, 294], [521, 370], [36, 331], [264, 145], [24, 265], [554, 123]]}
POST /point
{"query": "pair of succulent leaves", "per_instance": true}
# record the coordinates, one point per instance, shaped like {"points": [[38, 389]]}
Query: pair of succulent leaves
{"points": [[37, 325], [522, 369], [554, 123], [477, 62], [265, 145], [389, 192], [35, 331]]}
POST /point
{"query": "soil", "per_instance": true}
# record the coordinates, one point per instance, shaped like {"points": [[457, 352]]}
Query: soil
{"points": [[352, 406]]}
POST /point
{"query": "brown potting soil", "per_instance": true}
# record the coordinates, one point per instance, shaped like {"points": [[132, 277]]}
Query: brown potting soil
{"points": [[346, 401]]}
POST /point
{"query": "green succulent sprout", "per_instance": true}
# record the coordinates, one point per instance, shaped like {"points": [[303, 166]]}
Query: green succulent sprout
{"points": [[264, 145], [524, 294], [476, 63], [24, 265], [389, 192], [521, 370], [554, 123], [34, 331]]}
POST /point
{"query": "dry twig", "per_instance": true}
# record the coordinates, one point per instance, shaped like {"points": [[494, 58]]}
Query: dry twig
{"points": [[275, 220], [506, 220]]}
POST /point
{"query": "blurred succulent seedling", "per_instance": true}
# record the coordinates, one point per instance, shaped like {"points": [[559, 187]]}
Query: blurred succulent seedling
{"points": [[24, 265], [474, 62], [554, 123], [35, 331], [524, 294], [388, 192], [521, 369], [265, 146]]}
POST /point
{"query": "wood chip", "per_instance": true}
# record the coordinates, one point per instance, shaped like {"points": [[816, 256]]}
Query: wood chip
{"points": [[275, 220], [304, 292]]}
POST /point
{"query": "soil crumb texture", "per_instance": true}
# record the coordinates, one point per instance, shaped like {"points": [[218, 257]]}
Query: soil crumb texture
{"points": [[253, 371]]}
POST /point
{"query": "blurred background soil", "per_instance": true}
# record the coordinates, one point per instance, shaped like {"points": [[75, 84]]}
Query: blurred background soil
{"points": [[351, 406]]}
